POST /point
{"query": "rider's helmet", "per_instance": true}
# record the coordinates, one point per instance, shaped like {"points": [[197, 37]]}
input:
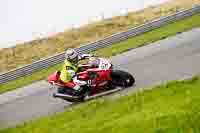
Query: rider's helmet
{"points": [[72, 56]]}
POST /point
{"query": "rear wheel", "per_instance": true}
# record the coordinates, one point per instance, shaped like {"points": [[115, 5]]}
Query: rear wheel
{"points": [[122, 78]]}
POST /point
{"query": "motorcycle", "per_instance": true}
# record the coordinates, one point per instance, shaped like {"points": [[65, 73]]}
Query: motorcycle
{"points": [[101, 79]]}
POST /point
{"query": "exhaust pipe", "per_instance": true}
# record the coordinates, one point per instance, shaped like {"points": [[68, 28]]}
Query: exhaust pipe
{"points": [[69, 97], [103, 93], [65, 96]]}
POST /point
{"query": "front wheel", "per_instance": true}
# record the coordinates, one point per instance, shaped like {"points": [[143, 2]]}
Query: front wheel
{"points": [[122, 78]]}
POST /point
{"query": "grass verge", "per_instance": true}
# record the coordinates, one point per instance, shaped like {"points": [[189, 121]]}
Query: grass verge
{"points": [[141, 40], [169, 108]]}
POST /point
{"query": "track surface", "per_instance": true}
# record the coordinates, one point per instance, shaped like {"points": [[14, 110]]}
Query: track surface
{"points": [[172, 58]]}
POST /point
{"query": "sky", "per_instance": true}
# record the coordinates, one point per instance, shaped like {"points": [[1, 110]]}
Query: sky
{"points": [[25, 20]]}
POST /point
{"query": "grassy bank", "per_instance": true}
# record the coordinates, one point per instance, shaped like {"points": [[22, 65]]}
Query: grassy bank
{"points": [[168, 108], [141, 40], [29, 52]]}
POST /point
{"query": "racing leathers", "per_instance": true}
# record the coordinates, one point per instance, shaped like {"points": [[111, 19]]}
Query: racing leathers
{"points": [[69, 71]]}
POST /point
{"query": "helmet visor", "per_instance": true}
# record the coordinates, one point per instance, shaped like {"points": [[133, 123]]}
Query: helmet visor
{"points": [[74, 60]]}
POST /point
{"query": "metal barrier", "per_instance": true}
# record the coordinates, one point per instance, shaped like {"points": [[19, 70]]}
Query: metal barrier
{"points": [[41, 64]]}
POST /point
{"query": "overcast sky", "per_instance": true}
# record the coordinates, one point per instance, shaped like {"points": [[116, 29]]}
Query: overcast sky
{"points": [[24, 20]]}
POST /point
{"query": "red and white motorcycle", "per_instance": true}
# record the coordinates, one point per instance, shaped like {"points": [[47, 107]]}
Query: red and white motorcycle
{"points": [[101, 79]]}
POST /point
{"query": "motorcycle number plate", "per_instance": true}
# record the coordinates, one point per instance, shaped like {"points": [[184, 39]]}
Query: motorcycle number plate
{"points": [[104, 65]]}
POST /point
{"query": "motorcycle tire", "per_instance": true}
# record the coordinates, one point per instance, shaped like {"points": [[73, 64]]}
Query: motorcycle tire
{"points": [[122, 78]]}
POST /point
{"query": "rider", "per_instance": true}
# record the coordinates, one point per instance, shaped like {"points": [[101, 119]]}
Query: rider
{"points": [[70, 67]]}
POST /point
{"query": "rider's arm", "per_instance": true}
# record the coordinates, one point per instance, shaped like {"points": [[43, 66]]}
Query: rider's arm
{"points": [[84, 56]]}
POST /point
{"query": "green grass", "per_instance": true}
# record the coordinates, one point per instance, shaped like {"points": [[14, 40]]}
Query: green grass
{"points": [[169, 108], [141, 40]]}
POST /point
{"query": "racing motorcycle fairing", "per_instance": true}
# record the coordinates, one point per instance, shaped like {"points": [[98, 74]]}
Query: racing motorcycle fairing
{"points": [[100, 78]]}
